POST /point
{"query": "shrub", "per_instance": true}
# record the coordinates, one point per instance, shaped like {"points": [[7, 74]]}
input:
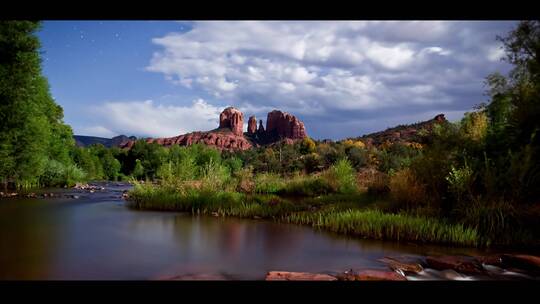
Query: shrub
{"points": [[58, 174], [460, 181], [244, 178], [341, 177], [268, 183], [377, 183], [496, 221], [307, 186], [405, 190], [214, 175]]}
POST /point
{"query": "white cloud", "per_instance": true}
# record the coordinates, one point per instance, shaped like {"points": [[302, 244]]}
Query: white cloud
{"points": [[495, 53], [146, 118], [98, 131], [312, 68]]}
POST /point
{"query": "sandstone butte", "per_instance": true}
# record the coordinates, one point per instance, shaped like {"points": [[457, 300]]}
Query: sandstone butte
{"points": [[280, 126]]}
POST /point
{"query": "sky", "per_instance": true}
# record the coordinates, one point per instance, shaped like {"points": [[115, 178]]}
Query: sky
{"points": [[341, 78]]}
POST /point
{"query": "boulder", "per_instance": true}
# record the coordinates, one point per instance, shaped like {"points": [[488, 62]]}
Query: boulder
{"points": [[298, 276]]}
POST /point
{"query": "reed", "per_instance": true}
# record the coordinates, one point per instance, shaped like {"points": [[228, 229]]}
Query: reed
{"points": [[378, 225]]}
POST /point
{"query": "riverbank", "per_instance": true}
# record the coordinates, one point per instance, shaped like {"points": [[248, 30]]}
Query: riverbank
{"points": [[351, 214], [182, 246]]}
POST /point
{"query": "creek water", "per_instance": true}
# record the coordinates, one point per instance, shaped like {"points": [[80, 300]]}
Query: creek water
{"points": [[95, 236]]}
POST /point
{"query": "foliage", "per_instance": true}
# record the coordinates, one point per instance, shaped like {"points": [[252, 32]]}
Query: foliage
{"points": [[405, 190], [341, 177], [378, 225], [33, 134]]}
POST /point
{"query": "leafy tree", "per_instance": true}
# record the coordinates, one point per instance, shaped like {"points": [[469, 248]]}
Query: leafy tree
{"points": [[33, 135]]}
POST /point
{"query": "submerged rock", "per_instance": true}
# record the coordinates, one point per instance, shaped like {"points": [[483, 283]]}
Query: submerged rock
{"points": [[298, 276], [198, 277], [371, 275], [522, 261], [403, 265], [462, 264]]}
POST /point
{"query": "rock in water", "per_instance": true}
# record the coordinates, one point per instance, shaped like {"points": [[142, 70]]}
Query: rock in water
{"points": [[461, 264], [371, 275], [252, 125], [233, 119], [298, 276], [402, 265]]}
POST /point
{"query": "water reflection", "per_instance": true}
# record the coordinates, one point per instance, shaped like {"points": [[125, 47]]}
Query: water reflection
{"points": [[98, 238]]}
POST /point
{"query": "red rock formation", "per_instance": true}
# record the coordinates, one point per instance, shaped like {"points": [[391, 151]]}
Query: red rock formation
{"points": [[233, 119], [252, 125], [285, 125], [221, 140], [230, 136]]}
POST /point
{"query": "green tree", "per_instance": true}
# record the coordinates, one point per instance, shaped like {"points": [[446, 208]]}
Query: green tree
{"points": [[33, 135]]}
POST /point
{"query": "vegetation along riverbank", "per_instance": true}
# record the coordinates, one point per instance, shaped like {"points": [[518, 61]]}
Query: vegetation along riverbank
{"points": [[472, 182]]}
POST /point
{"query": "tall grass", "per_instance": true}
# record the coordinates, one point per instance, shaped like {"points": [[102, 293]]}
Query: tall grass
{"points": [[148, 197], [406, 192], [378, 225], [268, 183], [306, 185]]}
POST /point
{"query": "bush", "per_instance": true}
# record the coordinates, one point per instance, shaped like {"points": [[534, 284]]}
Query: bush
{"points": [[306, 186], [244, 178], [496, 221], [377, 183], [58, 174], [214, 175], [405, 190], [341, 177], [268, 183]]}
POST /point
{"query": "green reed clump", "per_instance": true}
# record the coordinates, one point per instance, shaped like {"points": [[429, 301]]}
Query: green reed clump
{"points": [[378, 225], [306, 186], [201, 201], [269, 183]]}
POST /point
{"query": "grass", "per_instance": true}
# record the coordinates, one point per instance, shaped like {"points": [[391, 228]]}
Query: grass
{"points": [[306, 186], [378, 225], [331, 216], [223, 203]]}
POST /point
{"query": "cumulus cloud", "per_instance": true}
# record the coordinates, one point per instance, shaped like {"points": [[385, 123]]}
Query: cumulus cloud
{"points": [[318, 69], [147, 118]]}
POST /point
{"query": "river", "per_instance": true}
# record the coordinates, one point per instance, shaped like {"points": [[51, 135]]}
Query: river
{"points": [[95, 236]]}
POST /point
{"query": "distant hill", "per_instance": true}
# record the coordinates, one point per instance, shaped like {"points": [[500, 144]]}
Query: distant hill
{"points": [[402, 133], [84, 141]]}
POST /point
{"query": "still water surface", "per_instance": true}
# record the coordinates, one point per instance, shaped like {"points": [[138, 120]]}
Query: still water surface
{"points": [[97, 237]]}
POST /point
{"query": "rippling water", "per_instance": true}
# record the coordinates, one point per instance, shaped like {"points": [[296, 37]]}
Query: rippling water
{"points": [[97, 237]]}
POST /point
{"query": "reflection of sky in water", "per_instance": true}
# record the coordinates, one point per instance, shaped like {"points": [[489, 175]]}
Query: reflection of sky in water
{"points": [[44, 239]]}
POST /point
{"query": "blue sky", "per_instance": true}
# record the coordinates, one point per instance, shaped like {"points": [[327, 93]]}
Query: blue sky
{"points": [[165, 78]]}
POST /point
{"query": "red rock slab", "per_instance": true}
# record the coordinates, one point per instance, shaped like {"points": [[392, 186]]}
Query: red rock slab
{"points": [[523, 261], [298, 276], [405, 266], [461, 264], [194, 277], [495, 260], [372, 275]]}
